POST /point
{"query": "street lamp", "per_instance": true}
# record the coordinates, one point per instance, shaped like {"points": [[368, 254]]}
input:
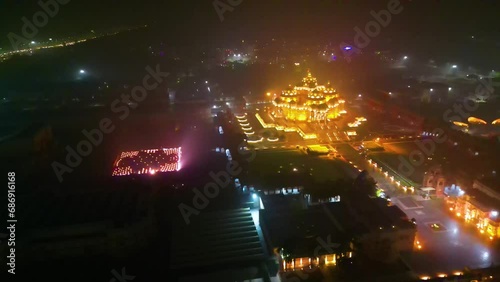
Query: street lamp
{"points": [[432, 89], [82, 71], [449, 88], [454, 66], [405, 57]]}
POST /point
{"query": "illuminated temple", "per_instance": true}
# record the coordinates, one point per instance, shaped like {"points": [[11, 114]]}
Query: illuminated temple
{"points": [[308, 101]]}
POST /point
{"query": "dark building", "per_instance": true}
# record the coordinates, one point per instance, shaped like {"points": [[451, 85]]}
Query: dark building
{"points": [[218, 246], [325, 234]]}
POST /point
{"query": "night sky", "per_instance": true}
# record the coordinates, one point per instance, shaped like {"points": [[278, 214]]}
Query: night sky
{"points": [[420, 19]]}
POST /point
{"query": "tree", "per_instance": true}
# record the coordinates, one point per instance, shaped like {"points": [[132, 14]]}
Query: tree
{"points": [[365, 184]]}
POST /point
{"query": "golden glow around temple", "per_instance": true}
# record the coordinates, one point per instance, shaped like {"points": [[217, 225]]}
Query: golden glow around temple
{"points": [[475, 120], [309, 101]]}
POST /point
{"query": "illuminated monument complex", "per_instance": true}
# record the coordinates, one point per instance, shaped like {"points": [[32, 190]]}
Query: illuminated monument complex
{"points": [[309, 101]]}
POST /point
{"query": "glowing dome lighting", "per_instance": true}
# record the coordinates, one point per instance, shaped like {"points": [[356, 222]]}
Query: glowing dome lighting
{"points": [[457, 123], [255, 141], [475, 120]]}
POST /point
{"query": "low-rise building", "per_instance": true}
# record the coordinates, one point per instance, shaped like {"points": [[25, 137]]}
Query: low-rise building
{"points": [[325, 234], [478, 209], [489, 186], [222, 245]]}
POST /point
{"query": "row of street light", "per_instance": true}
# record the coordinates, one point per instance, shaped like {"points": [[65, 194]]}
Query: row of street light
{"points": [[391, 177]]}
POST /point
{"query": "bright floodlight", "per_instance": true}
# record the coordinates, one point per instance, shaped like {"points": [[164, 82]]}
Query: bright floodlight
{"points": [[82, 71], [359, 95], [454, 66], [405, 57], [449, 88], [432, 89]]}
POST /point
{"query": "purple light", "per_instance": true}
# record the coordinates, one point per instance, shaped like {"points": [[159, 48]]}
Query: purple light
{"points": [[347, 48]]}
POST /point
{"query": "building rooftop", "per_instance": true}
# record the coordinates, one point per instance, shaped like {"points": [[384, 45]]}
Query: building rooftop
{"points": [[281, 202], [215, 239], [287, 216], [301, 231], [492, 182], [376, 214], [483, 201]]}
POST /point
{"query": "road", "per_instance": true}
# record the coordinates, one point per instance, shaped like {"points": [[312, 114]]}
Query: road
{"points": [[447, 250]]}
